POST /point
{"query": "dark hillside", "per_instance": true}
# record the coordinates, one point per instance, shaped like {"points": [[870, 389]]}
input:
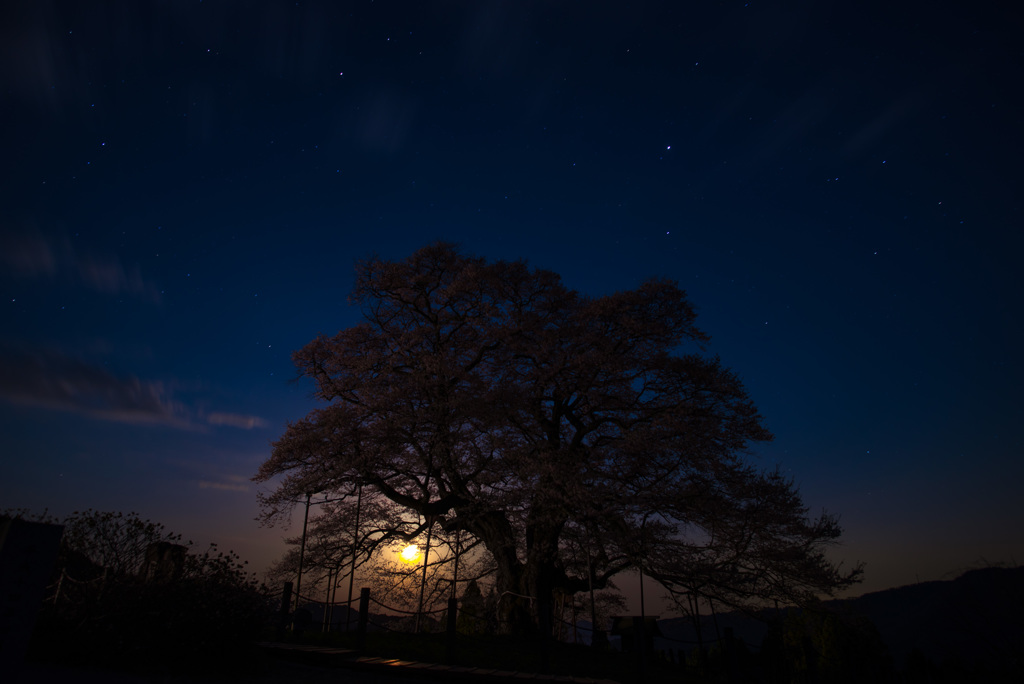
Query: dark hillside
{"points": [[976, 619], [973, 622]]}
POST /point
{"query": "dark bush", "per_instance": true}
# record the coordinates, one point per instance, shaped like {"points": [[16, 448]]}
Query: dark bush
{"points": [[112, 604]]}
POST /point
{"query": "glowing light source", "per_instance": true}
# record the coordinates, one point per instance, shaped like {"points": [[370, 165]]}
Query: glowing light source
{"points": [[410, 554]]}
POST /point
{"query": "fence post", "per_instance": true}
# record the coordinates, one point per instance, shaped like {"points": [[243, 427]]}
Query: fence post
{"points": [[286, 604], [453, 606], [640, 635], [729, 651], [364, 617]]}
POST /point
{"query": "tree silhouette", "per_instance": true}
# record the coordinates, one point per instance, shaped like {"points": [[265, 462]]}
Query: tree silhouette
{"points": [[108, 606], [491, 400]]}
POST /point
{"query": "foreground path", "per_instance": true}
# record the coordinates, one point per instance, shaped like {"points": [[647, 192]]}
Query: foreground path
{"points": [[409, 669], [276, 672], [296, 664]]}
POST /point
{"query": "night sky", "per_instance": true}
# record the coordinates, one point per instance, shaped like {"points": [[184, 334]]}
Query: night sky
{"points": [[837, 185]]}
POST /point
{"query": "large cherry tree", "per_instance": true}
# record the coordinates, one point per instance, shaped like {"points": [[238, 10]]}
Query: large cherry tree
{"points": [[573, 437]]}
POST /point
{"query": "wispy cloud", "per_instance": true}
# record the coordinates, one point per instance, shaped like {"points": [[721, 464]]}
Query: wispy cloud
{"points": [[56, 381], [236, 420], [28, 256], [53, 380], [231, 483], [34, 256]]}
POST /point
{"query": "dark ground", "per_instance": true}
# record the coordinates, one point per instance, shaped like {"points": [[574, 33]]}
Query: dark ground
{"points": [[275, 671]]}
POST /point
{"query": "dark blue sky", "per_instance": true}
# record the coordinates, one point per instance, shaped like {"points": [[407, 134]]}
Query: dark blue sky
{"points": [[837, 186]]}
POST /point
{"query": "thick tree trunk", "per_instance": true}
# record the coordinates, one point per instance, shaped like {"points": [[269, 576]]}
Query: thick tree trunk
{"points": [[514, 614], [525, 599], [524, 589]]}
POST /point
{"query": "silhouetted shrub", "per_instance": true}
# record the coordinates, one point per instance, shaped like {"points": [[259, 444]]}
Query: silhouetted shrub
{"points": [[824, 646], [108, 606]]}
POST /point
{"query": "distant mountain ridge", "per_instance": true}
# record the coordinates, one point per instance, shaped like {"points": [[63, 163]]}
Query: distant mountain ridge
{"points": [[975, 619]]}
